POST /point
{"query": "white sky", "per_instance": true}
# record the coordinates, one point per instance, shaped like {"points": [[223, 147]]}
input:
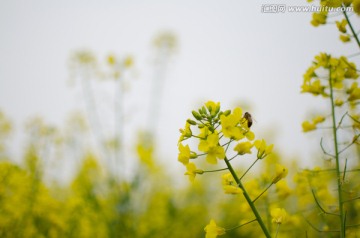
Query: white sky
{"points": [[229, 51]]}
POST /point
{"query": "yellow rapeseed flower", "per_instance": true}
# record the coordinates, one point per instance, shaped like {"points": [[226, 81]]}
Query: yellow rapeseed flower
{"points": [[231, 189], [213, 231], [184, 154], [263, 149], [280, 173], [279, 215], [354, 92], [341, 25], [344, 38], [212, 148], [319, 18], [192, 171], [356, 5], [213, 107], [185, 133], [229, 124], [243, 148]]}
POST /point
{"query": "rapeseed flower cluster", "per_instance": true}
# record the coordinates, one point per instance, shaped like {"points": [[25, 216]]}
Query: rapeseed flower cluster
{"points": [[224, 136]]}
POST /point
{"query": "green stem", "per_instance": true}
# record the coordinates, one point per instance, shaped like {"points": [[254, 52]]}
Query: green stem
{"points": [[235, 227], [267, 188], [341, 208], [277, 230], [248, 199], [249, 168], [352, 29], [215, 170]]}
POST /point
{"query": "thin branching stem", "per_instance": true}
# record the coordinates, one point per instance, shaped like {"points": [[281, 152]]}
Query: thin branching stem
{"points": [[267, 188], [353, 142], [317, 229], [323, 149], [341, 120], [248, 199], [352, 199], [321, 208], [249, 168], [277, 230], [215, 170], [238, 226]]}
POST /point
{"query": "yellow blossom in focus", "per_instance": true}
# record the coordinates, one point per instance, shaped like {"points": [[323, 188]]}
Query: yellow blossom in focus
{"points": [[229, 184], [228, 179], [279, 215], [229, 124], [280, 173], [192, 171], [250, 135], [263, 149], [185, 133], [213, 107], [184, 154], [213, 231], [212, 148], [204, 132], [243, 148]]}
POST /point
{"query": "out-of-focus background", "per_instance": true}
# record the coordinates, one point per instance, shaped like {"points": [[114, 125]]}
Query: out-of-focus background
{"points": [[134, 68], [229, 52]]}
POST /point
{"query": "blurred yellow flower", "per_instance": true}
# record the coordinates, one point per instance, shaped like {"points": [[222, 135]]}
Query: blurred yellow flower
{"points": [[314, 87], [111, 60], [279, 215], [231, 189], [280, 173], [243, 148], [354, 92], [341, 25], [282, 189], [128, 62], [213, 231], [319, 18], [356, 5], [344, 38]]}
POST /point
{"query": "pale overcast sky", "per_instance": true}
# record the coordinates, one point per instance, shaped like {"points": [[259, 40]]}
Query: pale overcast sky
{"points": [[228, 51]]}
